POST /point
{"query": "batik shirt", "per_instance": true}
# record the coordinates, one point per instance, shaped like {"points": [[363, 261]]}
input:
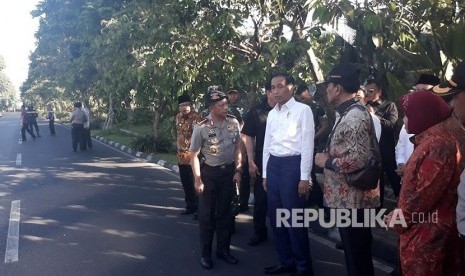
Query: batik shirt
{"points": [[184, 128], [348, 150]]}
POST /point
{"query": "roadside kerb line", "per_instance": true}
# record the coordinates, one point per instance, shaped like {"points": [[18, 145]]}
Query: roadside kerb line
{"points": [[18, 159], [12, 241]]}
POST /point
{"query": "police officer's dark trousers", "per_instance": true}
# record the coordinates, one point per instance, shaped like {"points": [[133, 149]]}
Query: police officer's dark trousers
{"points": [[25, 128], [260, 206], [214, 208], [291, 243], [187, 181], [77, 136], [51, 126]]}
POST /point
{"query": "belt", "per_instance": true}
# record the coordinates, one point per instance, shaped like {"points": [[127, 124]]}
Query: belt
{"points": [[224, 166]]}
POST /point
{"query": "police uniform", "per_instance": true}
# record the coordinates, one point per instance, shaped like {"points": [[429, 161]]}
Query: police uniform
{"points": [[217, 144]]}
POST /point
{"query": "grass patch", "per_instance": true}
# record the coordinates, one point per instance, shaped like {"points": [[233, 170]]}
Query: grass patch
{"points": [[123, 138], [141, 129], [168, 157]]}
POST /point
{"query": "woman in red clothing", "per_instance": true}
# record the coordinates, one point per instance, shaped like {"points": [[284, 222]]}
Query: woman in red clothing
{"points": [[429, 245]]}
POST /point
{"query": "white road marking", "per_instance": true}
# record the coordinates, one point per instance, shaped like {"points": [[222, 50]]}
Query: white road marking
{"points": [[12, 241], [18, 159]]}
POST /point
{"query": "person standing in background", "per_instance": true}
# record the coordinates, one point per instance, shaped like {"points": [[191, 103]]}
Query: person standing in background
{"points": [[51, 119], [86, 130], [185, 121], [78, 118], [235, 108], [387, 113], [253, 133]]}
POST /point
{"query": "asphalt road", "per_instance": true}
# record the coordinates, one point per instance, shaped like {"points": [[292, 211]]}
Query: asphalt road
{"points": [[103, 212]]}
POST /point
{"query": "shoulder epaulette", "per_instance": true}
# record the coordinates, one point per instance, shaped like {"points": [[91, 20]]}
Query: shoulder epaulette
{"points": [[231, 116], [202, 122]]}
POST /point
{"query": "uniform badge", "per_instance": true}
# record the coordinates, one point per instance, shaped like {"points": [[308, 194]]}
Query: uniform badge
{"points": [[211, 130], [215, 140], [213, 149]]}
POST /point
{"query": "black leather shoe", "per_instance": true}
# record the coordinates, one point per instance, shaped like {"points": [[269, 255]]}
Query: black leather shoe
{"points": [[302, 273], [227, 257], [206, 263], [339, 246], [256, 240], [278, 269], [187, 212]]}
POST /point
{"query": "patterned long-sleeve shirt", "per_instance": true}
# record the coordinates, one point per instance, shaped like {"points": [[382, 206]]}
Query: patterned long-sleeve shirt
{"points": [[348, 151], [184, 128]]}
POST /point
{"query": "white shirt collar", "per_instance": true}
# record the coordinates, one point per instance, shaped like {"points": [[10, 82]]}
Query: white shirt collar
{"points": [[288, 104]]}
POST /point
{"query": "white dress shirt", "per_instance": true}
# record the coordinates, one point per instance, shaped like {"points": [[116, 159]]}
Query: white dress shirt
{"points": [[377, 124], [404, 147], [290, 131]]}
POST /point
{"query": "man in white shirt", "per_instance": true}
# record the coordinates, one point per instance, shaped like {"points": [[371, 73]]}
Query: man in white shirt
{"points": [[287, 163]]}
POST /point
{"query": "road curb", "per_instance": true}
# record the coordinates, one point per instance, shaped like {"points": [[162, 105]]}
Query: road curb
{"points": [[148, 157]]}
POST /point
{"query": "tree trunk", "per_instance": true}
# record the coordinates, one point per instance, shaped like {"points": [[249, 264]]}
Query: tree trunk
{"points": [[157, 119]]}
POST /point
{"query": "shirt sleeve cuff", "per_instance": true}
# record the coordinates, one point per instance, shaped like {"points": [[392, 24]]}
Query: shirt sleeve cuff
{"points": [[329, 164]]}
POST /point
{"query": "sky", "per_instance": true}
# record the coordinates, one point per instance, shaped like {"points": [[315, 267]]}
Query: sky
{"points": [[17, 29]]}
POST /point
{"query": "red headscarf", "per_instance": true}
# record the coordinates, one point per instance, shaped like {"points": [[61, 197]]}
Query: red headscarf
{"points": [[423, 110]]}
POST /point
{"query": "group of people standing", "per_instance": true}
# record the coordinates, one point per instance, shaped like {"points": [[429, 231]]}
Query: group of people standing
{"points": [[279, 139], [29, 122], [80, 125]]}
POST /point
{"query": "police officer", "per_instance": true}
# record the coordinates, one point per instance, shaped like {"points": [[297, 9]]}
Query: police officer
{"points": [[217, 138]]}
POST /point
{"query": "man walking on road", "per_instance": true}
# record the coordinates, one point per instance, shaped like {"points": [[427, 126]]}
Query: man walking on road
{"points": [[25, 125], [287, 163], [218, 139]]}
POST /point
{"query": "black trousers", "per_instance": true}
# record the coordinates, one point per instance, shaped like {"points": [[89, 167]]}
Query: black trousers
{"points": [[389, 167], [187, 181], [25, 128], [261, 206], [215, 208], [357, 248], [244, 191], [51, 126], [77, 137], [33, 124]]}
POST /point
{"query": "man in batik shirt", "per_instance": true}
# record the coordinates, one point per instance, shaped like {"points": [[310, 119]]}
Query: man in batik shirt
{"points": [[185, 120]]}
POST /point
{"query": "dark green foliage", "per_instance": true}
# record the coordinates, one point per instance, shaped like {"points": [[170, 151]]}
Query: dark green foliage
{"points": [[149, 144]]}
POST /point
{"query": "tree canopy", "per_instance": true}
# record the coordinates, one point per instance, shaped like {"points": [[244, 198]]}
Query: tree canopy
{"points": [[7, 90], [146, 52]]}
